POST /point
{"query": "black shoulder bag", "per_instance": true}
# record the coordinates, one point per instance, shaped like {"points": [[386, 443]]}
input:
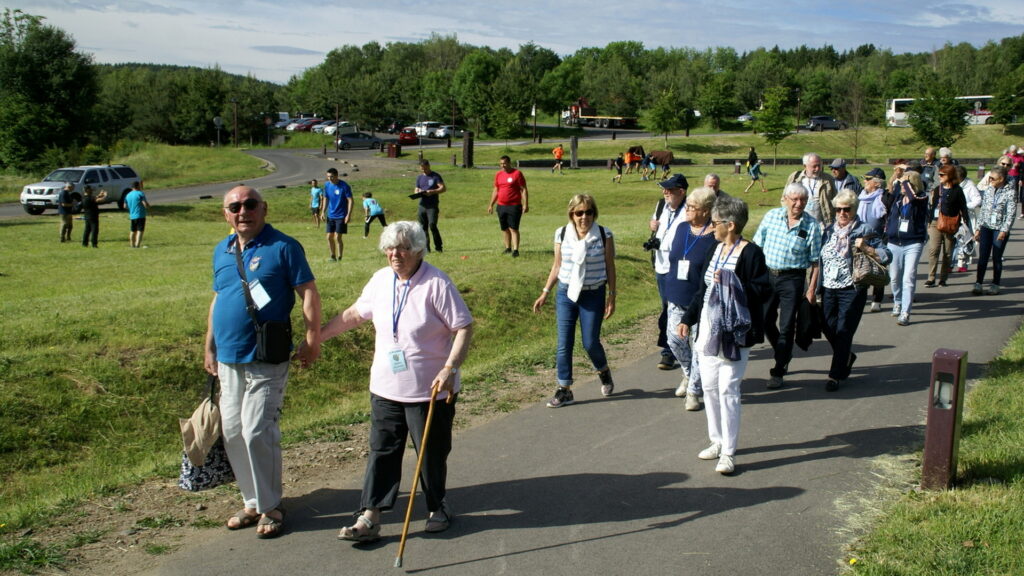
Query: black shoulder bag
{"points": [[273, 339]]}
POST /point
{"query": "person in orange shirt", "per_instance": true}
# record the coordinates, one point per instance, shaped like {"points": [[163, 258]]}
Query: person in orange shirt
{"points": [[558, 153]]}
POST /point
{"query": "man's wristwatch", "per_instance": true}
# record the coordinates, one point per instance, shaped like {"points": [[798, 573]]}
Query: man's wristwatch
{"points": [[452, 369]]}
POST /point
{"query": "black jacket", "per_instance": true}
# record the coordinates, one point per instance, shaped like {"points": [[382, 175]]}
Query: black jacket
{"points": [[753, 274]]}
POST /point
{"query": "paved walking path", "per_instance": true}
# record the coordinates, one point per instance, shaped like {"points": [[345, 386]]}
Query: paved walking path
{"points": [[613, 485]]}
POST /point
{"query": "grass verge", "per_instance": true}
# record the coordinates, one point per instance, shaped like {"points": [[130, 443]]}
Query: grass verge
{"points": [[975, 528]]}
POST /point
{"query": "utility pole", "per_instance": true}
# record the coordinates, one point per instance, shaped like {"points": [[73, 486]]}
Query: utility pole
{"points": [[234, 103]]}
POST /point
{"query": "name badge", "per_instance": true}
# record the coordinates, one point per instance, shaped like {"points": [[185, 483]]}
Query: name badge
{"points": [[259, 294], [683, 270], [904, 225], [398, 363]]}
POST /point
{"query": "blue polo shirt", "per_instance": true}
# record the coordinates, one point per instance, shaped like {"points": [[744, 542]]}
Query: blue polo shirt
{"points": [[278, 261], [337, 195]]}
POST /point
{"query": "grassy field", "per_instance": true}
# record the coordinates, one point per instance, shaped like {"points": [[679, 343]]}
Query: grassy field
{"points": [[100, 350]]}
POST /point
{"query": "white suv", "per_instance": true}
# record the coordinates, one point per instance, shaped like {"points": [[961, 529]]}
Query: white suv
{"points": [[116, 179]]}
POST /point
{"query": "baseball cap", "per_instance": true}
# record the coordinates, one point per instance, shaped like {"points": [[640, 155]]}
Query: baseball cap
{"points": [[677, 181], [876, 173], [838, 163]]}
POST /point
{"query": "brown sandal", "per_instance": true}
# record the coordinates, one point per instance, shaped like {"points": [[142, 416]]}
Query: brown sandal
{"points": [[276, 525], [245, 520]]}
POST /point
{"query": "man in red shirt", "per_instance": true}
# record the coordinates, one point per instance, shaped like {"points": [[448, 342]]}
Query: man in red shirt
{"points": [[511, 197]]}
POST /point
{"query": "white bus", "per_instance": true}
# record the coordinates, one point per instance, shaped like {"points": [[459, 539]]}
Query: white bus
{"points": [[896, 110]]}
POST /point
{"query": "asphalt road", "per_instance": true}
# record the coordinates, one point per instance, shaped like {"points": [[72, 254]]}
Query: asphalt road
{"points": [[613, 485]]}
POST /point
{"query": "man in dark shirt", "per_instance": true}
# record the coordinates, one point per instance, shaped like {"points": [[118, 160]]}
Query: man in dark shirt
{"points": [[91, 212], [429, 185]]}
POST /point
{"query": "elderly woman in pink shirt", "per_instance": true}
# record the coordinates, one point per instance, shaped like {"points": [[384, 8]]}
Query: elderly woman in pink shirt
{"points": [[423, 332]]}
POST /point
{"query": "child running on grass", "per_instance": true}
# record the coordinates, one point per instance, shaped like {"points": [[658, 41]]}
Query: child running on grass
{"points": [[373, 211]]}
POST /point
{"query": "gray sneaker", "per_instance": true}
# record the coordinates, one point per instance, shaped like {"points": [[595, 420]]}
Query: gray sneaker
{"points": [[896, 309], [607, 385], [562, 397], [993, 290], [692, 402], [904, 320], [774, 382]]}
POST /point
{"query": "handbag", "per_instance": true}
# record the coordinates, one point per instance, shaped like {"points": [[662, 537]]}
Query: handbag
{"points": [[273, 338], [214, 468], [948, 224], [868, 270]]}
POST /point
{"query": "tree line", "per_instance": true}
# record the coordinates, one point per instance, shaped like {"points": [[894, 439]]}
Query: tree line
{"points": [[56, 103]]}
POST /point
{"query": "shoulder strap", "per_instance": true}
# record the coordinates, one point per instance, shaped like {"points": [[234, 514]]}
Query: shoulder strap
{"points": [[600, 232], [250, 306], [659, 209]]}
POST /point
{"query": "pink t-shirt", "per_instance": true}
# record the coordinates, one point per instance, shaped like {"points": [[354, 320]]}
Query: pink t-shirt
{"points": [[433, 311]]}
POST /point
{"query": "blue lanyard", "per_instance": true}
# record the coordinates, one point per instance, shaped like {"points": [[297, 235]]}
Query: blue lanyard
{"points": [[687, 245], [727, 256], [397, 305]]}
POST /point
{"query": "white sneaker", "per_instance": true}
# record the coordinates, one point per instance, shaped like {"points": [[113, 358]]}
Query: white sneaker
{"points": [[681, 389], [711, 452], [726, 465], [896, 309], [876, 306], [692, 403]]}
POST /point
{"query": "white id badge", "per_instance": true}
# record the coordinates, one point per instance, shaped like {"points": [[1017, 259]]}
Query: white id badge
{"points": [[398, 363], [904, 225], [683, 270], [259, 294]]}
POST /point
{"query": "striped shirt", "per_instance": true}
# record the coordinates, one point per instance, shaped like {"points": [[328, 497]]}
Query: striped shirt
{"points": [[596, 272], [788, 248]]}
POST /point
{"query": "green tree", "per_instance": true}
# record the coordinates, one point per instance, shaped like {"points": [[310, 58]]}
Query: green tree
{"points": [[45, 83], [773, 120], [471, 85], [939, 118], [1008, 99], [716, 100], [663, 117]]}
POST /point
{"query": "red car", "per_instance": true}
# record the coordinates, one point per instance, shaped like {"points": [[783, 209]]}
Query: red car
{"points": [[408, 136], [307, 124]]}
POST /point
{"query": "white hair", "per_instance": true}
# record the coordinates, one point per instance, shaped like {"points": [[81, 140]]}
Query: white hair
{"points": [[404, 234], [810, 156], [945, 152]]}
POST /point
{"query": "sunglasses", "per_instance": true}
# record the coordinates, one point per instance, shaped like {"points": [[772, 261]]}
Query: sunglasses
{"points": [[236, 207], [842, 208], [582, 213]]}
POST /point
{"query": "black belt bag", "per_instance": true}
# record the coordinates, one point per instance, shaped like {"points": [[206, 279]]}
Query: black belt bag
{"points": [[274, 342]]}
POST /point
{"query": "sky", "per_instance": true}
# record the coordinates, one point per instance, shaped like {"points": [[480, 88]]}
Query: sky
{"points": [[275, 40]]}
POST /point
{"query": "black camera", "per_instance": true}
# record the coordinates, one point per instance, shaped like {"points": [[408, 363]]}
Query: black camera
{"points": [[652, 243]]}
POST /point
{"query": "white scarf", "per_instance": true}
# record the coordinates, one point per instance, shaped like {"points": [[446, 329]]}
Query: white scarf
{"points": [[578, 258]]}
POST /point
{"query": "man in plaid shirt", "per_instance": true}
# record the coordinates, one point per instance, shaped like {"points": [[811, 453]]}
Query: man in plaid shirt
{"points": [[791, 241]]}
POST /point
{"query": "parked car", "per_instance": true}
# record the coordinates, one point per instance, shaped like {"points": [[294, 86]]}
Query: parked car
{"points": [[394, 126], [426, 128], [322, 127], [342, 127], [819, 123], [447, 131], [280, 124], [307, 124], [408, 136], [115, 179], [359, 140], [745, 118]]}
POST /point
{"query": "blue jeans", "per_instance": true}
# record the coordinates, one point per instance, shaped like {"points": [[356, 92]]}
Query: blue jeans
{"points": [[843, 308], [589, 311], [988, 241], [903, 271]]}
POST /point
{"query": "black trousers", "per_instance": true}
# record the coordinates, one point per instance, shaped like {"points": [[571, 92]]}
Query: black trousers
{"points": [[428, 220], [787, 289], [92, 231], [390, 425]]}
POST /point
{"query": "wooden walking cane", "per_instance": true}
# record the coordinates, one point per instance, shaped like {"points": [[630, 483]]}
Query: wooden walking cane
{"points": [[416, 476]]}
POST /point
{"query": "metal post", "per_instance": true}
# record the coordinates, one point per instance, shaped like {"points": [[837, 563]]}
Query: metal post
{"points": [[945, 411]]}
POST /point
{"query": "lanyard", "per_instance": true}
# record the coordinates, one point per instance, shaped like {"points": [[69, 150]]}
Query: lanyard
{"points": [[397, 305], [727, 256], [687, 245]]}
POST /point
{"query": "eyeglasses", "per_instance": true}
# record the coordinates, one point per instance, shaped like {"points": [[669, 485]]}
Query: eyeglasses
{"points": [[692, 207], [715, 223], [582, 213], [842, 208], [236, 207]]}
